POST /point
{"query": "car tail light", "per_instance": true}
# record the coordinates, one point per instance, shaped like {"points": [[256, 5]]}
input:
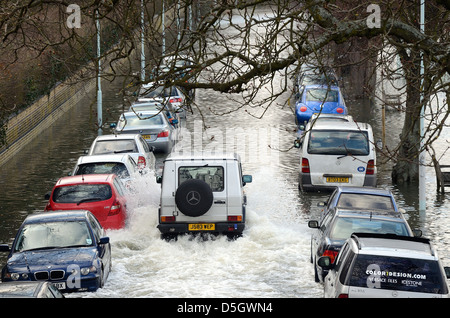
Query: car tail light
{"points": [[164, 133], [141, 162], [305, 165], [343, 296], [339, 110], [235, 218], [331, 254], [370, 167], [303, 109], [175, 100], [168, 218], [115, 208]]}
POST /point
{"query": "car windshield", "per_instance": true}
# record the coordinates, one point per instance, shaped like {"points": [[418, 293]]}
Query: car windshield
{"points": [[365, 201], [102, 147], [82, 193], [118, 168], [343, 227], [142, 120], [321, 95], [338, 142], [53, 235], [398, 273]]}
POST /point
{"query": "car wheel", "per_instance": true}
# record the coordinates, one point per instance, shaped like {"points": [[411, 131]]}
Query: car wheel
{"points": [[194, 197]]}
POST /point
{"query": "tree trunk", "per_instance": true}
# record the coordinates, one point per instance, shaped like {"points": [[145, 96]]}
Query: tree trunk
{"points": [[406, 168]]}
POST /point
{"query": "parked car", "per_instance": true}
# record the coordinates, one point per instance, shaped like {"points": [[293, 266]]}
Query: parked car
{"points": [[171, 94], [315, 75], [167, 109], [67, 248], [360, 198], [332, 155], [202, 193], [122, 165], [321, 99], [154, 127], [29, 290], [102, 194], [337, 226], [132, 144], [385, 266]]}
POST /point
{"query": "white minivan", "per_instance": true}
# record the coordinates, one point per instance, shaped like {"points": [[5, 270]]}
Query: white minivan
{"points": [[336, 154]]}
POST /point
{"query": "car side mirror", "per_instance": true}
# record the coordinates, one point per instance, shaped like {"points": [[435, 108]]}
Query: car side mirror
{"points": [[113, 125], [47, 195], [325, 262], [447, 271], [246, 179], [313, 224], [417, 233], [158, 179], [104, 240], [297, 143], [4, 248]]}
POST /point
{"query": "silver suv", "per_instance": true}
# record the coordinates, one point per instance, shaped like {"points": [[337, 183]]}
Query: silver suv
{"points": [[385, 265], [202, 193]]}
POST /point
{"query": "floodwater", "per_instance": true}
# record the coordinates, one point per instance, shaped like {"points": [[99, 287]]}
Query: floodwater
{"points": [[270, 260]]}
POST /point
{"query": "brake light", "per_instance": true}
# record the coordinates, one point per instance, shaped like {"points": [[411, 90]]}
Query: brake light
{"points": [[115, 208], [339, 110], [370, 167], [164, 133], [343, 296], [175, 100], [141, 162], [305, 165], [331, 254], [168, 218], [303, 109], [235, 218]]}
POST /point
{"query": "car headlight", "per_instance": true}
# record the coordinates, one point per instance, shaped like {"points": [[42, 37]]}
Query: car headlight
{"points": [[87, 270]]}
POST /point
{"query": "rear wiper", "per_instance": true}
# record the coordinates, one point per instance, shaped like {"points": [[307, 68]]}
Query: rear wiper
{"points": [[89, 199], [122, 151]]}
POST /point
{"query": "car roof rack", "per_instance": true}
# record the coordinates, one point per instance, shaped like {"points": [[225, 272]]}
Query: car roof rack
{"points": [[356, 236]]}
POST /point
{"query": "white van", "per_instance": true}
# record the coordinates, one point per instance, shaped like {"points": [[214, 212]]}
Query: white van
{"points": [[337, 154]]}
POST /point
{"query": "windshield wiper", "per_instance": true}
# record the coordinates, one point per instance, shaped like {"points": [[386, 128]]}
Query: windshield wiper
{"points": [[90, 199]]}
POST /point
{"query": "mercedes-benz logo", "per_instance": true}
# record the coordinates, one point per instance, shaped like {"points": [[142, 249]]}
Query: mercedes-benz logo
{"points": [[193, 197]]}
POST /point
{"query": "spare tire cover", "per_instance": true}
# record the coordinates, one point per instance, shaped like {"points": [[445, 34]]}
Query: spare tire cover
{"points": [[194, 197]]}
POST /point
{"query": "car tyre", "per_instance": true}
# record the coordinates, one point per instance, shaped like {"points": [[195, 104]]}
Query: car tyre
{"points": [[194, 197]]}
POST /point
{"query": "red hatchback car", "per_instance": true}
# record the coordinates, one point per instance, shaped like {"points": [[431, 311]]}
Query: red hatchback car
{"points": [[102, 194]]}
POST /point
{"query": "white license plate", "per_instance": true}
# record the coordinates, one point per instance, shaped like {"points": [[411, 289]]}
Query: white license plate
{"points": [[60, 285]]}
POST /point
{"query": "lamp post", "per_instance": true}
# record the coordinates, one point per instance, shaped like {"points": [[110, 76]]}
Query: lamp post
{"points": [[99, 84], [422, 183]]}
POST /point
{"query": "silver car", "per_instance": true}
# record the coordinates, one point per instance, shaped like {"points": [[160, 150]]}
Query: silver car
{"points": [[385, 265], [154, 126], [133, 144], [165, 95]]}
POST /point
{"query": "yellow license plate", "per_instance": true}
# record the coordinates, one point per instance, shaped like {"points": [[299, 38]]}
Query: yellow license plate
{"points": [[202, 227], [147, 136], [337, 179]]}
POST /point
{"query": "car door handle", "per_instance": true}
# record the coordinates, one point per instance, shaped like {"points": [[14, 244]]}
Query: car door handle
{"points": [[220, 202]]}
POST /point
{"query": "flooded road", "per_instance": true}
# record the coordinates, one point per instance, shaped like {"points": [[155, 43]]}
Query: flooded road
{"points": [[270, 260]]}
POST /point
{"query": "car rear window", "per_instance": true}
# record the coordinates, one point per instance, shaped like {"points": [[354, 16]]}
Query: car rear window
{"points": [[82, 193], [102, 147], [141, 120], [338, 142], [212, 175], [322, 95], [396, 273], [117, 168], [365, 201]]}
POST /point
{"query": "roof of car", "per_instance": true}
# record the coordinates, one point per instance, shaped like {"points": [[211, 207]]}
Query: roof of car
{"points": [[85, 178], [350, 125], [375, 214], [116, 136], [391, 244], [55, 216], [103, 158], [203, 156], [364, 190]]}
